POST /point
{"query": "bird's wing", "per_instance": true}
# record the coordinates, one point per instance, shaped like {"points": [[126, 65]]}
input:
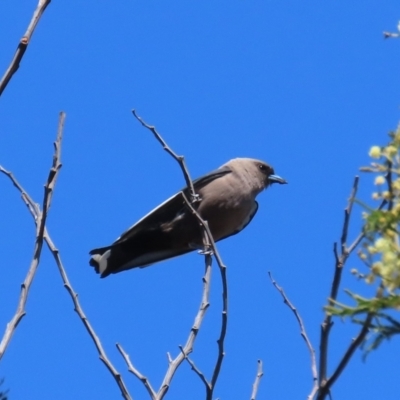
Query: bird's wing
{"points": [[246, 222], [170, 208], [211, 176], [165, 212]]}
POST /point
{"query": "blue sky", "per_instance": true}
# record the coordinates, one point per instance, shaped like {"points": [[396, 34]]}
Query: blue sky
{"points": [[306, 86]]}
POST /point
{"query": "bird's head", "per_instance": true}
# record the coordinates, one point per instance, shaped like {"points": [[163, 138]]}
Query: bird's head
{"points": [[267, 174]]}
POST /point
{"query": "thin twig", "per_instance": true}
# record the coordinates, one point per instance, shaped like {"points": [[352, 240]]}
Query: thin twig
{"points": [[23, 44], [347, 215], [303, 334], [188, 347], [173, 364], [389, 182], [135, 372], [224, 325], [179, 159], [36, 212], [325, 388], [199, 373], [388, 35], [257, 381], [78, 309], [40, 227]]}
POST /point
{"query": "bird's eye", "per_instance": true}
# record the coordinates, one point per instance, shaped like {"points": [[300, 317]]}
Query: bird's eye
{"points": [[262, 167]]}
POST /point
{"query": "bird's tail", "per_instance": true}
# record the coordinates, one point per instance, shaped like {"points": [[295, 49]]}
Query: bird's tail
{"points": [[99, 259]]}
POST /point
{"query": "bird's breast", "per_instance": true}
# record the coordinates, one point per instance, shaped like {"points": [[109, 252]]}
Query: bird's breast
{"points": [[227, 217]]}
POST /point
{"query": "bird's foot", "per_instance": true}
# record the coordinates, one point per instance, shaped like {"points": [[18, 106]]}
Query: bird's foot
{"points": [[203, 250], [208, 251], [195, 199]]}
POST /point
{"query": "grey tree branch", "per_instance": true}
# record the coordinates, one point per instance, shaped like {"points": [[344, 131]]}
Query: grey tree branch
{"points": [[224, 324], [135, 372], [179, 159], [208, 243], [40, 219], [303, 334], [23, 44], [197, 371], [78, 309], [34, 209], [256, 383], [173, 364]]}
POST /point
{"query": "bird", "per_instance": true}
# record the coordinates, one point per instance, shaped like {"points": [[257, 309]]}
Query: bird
{"points": [[226, 201]]}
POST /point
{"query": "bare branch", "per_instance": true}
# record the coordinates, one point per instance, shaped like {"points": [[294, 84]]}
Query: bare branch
{"points": [[339, 262], [23, 44], [388, 35], [208, 243], [135, 372], [256, 383], [40, 219], [173, 364], [347, 214], [188, 347], [224, 324], [197, 371], [78, 309], [389, 182], [303, 334], [328, 383], [36, 213], [179, 159]]}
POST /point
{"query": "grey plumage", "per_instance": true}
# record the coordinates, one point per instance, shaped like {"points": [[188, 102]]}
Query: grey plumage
{"points": [[227, 203]]}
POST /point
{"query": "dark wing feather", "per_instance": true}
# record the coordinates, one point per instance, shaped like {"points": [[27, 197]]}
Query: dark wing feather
{"points": [[211, 176], [170, 208], [165, 212]]}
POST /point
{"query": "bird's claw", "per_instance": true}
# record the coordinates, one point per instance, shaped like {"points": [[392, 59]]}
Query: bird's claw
{"points": [[206, 252]]}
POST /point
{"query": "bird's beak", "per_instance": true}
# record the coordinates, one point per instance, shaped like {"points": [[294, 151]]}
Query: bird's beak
{"points": [[276, 179]]}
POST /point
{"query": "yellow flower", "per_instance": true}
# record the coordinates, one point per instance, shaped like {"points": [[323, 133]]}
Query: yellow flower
{"points": [[377, 267], [376, 196], [389, 257], [391, 150], [396, 185], [372, 250], [363, 256], [379, 180], [382, 244], [375, 152], [370, 279]]}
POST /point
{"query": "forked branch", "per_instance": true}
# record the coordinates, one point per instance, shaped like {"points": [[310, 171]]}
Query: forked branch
{"points": [[209, 248], [23, 44], [40, 219], [304, 335], [37, 215]]}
